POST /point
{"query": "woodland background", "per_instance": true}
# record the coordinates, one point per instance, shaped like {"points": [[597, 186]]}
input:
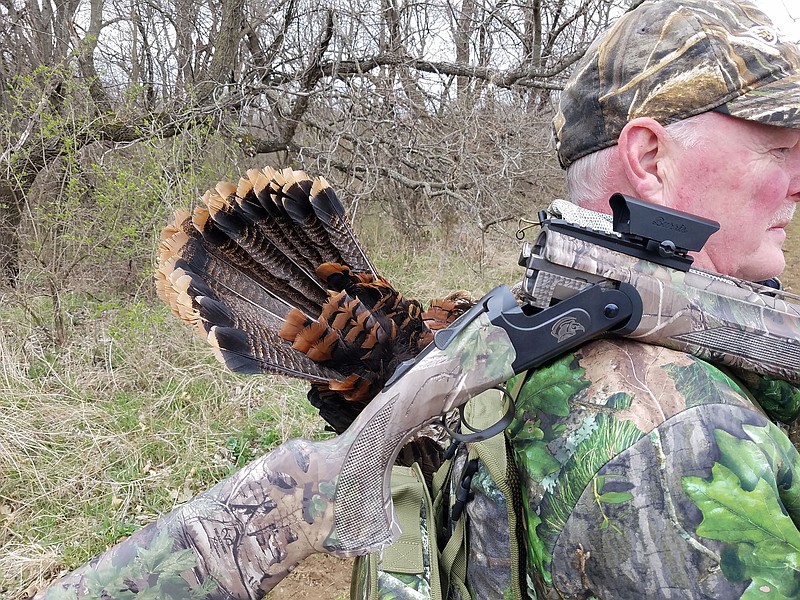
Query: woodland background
{"points": [[431, 117]]}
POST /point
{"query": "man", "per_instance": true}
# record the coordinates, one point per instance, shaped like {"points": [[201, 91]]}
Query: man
{"points": [[661, 476]]}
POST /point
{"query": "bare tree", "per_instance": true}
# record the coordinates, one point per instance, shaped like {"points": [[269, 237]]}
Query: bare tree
{"points": [[438, 107]]}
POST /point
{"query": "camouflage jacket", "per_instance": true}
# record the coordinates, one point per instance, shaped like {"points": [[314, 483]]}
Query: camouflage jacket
{"points": [[647, 473]]}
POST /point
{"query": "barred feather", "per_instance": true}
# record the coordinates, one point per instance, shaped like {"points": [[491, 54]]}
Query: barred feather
{"points": [[272, 274]]}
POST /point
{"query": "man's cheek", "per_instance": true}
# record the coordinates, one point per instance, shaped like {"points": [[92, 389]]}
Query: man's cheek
{"points": [[771, 194]]}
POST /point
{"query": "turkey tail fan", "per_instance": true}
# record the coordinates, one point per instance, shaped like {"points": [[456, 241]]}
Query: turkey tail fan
{"points": [[228, 305], [271, 273]]}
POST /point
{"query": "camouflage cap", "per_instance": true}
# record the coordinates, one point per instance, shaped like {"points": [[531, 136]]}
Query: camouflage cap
{"points": [[673, 59]]}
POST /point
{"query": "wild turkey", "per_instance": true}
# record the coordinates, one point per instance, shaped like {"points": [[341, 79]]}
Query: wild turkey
{"points": [[272, 274]]}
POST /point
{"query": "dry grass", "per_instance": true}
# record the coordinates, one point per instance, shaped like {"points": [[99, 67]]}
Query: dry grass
{"points": [[791, 277]]}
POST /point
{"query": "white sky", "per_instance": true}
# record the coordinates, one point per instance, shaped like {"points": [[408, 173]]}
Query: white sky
{"points": [[785, 14]]}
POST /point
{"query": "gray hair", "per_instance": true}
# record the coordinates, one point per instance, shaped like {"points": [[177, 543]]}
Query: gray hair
{"points": [[591, 177]]}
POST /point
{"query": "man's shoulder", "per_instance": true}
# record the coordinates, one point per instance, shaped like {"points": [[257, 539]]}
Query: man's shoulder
{"points": [[638, 382], [628, 361], [627, 350]]}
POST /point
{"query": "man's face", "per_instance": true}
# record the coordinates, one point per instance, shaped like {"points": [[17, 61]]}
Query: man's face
{"points": [[746, 176]]}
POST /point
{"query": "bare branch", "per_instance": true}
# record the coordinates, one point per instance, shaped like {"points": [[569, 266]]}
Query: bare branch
{"points": [[526, 77]]}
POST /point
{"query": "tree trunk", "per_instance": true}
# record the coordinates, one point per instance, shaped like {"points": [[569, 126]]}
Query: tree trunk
{"points": [[463, 36], [11, 203]]}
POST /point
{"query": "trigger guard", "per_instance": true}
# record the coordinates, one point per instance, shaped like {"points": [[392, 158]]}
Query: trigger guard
{"points": [[479, 435]]}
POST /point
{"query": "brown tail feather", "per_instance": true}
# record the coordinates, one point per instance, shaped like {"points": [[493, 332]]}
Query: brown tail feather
{"points": [[270, 272]]}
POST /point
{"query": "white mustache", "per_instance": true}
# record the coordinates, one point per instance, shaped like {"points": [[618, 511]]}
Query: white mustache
{"points": [[784, 215]]}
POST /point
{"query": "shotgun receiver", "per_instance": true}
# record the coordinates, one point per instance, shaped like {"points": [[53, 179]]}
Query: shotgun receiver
{"points": [[717, 318], [239, 539]]}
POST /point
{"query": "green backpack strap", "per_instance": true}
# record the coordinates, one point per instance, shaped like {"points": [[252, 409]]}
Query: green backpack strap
{"points": [[495, 454], [410, 554], [453, 559], [481, 412], [413, 556]]}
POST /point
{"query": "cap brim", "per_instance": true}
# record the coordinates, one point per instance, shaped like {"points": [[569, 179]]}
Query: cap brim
{"points": [[776, 103]]}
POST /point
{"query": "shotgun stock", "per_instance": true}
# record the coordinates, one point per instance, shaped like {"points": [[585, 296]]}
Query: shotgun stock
{"points": [[240, 538]]}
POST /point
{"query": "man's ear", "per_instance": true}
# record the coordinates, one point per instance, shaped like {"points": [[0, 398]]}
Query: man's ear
{"points": [[642, 145]]}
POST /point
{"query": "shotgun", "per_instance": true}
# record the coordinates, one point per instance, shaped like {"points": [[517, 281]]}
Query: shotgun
{"points": [[241, 537]]}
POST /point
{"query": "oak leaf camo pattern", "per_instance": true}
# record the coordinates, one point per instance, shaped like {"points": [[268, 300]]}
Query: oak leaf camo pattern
{"points": [[626, 450]]}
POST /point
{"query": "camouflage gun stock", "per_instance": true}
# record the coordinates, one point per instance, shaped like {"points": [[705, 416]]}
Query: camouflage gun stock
{"points": [[239, 539]]}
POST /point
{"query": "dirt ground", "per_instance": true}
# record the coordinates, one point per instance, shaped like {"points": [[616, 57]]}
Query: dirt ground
{"points": [[319, 577]]}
